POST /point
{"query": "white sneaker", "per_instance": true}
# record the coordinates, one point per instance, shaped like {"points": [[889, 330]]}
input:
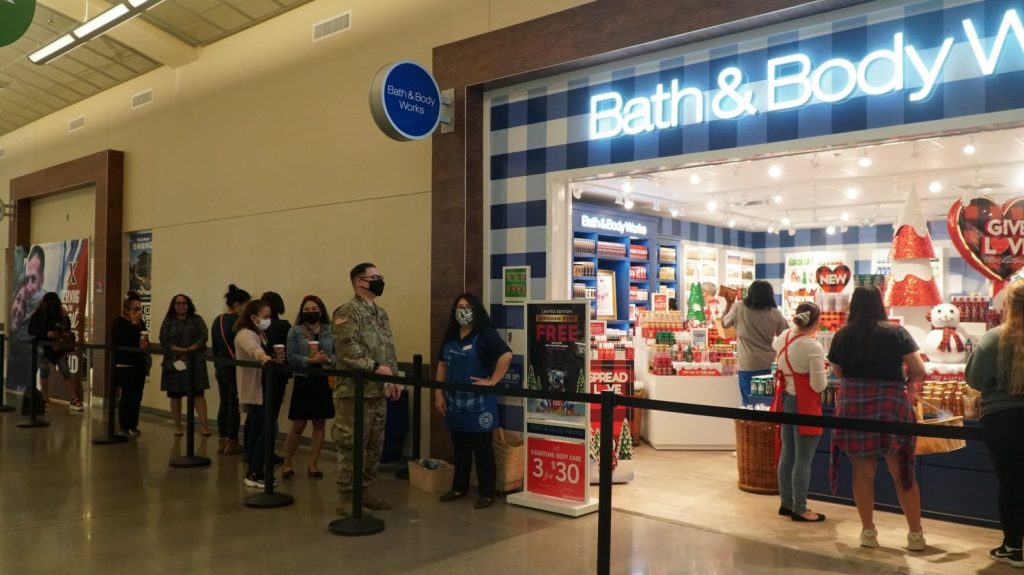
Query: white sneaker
{"points": [[869, 538], [915, 541], [76, 406]]}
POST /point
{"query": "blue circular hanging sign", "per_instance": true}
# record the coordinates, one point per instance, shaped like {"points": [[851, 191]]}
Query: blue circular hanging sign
{"points": [[405, 101]]}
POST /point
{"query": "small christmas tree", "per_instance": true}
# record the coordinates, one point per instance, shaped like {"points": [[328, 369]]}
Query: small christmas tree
{"points": [[531, 379], [625, 442], [581, 382], [595, 444], [695, 305]]}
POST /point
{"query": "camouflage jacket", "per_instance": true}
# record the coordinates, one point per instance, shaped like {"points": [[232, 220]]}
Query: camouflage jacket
{"points": [[362, 337]]}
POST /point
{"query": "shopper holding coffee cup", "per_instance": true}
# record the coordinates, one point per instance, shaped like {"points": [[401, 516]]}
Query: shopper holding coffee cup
{"points": [[130, 367], [310, 345]]}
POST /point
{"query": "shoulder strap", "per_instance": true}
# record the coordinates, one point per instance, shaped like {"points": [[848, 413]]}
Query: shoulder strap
{"points": [[227, 344], [785, 350]]}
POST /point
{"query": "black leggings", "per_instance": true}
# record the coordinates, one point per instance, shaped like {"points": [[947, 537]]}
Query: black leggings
{"points": [[228, 416], [1003, 433], [470, 446], [131, 381]]}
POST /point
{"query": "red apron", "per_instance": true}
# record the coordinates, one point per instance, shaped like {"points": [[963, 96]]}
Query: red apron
{"points": [[808, 401]]}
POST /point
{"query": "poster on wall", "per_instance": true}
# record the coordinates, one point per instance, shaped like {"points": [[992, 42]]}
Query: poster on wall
{"points": [[60, 267], [140, 270], [556, 471], [605, 295], [617, 377], [515, 285]]}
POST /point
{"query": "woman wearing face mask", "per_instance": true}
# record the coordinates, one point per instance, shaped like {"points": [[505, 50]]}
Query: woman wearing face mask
{"points": [[250, 344], [130, 368], [183, 331], [472, 353], [311, 395]]}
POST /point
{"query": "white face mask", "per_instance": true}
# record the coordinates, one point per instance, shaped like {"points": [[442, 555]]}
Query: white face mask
{"points": [[264, 323]]}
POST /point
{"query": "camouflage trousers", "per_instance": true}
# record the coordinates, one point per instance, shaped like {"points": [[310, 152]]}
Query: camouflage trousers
{"points": [[343, 435]]}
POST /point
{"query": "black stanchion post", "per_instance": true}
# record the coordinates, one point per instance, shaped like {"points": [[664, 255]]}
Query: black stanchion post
{"points": [[190, 459], [3, 383], [417, 400], [356, 525], [604, 509], [268, 499], [111, 437], [33, 419]]}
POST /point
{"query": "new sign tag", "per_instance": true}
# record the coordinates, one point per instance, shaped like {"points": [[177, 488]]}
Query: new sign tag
{"points": [[405, 101]]}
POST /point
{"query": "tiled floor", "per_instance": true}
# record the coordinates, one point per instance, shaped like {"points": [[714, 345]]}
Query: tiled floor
{"points": [[67, 506]]}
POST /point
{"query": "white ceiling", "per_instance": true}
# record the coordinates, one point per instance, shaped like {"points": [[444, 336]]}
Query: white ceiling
{"points": [[813, 186]]}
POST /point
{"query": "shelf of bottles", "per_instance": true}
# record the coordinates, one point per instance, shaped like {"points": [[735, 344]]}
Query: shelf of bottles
{"points": [[628, 258], [668, 269]]}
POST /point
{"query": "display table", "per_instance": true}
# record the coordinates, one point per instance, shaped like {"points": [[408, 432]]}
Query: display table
{"points": [[664, 430]]}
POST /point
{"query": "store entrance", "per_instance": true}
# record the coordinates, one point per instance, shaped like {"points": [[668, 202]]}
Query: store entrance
{"points": [[661, 252]]}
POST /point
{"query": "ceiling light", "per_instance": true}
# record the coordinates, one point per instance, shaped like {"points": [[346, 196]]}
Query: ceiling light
{"points": [[865, 160], [852, 193], [712, 205], [771, 230], [792, 232], [627, 186], [104, 20], [935, 186], [845, 216], [785, 220], [775, 171], [831, 230], [694, 178], [656, 206], [577, 193], [628, 203], [114, 16], [844, 229], [969, 149], [777, 198], [674, 210], [732, 222]]}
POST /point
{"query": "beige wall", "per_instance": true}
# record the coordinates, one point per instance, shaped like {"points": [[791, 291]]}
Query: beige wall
{"points": [[67, 216], [260, 165]]}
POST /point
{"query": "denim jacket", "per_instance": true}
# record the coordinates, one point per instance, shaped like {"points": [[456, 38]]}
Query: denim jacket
{"points": [[298, 346]]}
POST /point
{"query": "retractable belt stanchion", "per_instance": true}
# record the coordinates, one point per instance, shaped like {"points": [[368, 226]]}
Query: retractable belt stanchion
{"points": [[33, 419], [356, 525], [268, 499], [3, 383], [604, 509], [110, 437], [417, 404], [190, 459]]}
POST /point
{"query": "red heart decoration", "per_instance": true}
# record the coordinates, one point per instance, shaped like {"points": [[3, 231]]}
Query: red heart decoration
{"points": [[969, 229], [833, 280]]}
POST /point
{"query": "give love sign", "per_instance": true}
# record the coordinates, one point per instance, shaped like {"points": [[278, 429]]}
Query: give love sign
{"points": [[988, 235], [832, 280]]}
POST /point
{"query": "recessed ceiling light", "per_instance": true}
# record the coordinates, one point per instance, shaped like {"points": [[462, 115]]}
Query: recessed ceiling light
{"points": [[785, 220], [844, 229], [935, 186], [628, 204], [712, 205], [775, 171], [831, 230], [732, 222], [792, 232], [969, 149], [771, 230], [845, 216], [627, 186], [777, 198], [694, 178], [852, 193], [865, 160], [674, 210]]}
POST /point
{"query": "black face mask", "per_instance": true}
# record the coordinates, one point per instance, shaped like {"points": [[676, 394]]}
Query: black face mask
{"points": [[376, 287], [310, 317]]}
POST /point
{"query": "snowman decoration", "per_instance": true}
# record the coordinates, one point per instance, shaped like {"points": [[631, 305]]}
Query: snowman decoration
{"points": [[944, 344]]}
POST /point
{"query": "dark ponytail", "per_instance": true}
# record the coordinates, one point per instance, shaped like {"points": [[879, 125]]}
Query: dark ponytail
{"points": [[236, 295]]}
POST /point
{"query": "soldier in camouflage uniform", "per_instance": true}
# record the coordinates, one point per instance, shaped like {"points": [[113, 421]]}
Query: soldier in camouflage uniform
{"points": [[363, 341]]}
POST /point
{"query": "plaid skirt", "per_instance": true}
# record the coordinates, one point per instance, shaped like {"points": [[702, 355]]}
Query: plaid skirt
{"points": [[875, 400]]}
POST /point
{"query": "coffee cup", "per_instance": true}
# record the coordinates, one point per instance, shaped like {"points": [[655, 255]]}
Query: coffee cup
{"points": [[279, 350], [144, 334], [314, 348]]}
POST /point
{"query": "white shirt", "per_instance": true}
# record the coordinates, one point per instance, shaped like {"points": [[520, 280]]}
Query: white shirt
{"points": [[806, 355]]}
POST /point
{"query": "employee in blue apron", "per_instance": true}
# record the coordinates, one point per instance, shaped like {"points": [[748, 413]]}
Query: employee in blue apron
{"points": [[472, 353]]}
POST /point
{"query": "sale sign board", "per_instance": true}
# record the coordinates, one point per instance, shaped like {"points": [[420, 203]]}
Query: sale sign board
{"points": [[556, 468], [617, 377], [557, 349]]}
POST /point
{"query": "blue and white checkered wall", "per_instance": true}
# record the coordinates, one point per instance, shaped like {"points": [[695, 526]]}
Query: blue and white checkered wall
{"points": [[537, 133]]}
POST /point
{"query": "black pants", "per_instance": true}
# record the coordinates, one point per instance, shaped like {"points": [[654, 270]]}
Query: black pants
{"points": [[130, 380], [280, 386], [470, 446], [227, 414], [255, 421], [1003, 433]]}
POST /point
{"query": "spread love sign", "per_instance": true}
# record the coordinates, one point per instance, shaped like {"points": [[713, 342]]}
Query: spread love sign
{"points": [[832, 280], [989, 235]]}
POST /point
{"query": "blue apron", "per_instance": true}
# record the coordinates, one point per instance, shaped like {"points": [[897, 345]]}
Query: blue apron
{"points": [[467, 411]]}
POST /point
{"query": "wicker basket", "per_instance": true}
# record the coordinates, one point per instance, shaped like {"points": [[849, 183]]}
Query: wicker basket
{"points": [[755, 457]]}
